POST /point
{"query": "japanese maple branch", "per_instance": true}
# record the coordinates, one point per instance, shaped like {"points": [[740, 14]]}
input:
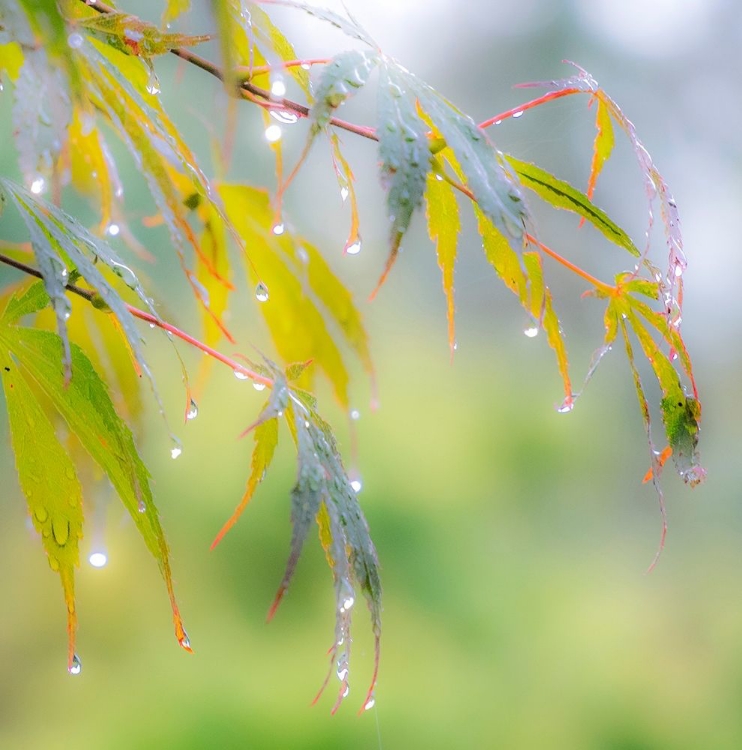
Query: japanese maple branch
{"points": [[247, 87], [152, 320]]}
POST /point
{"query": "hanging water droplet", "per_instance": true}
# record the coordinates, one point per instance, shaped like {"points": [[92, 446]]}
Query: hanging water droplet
{"points": [[75, 40], [175, 452], [113, 229], [76, 666], [357, 485], [38, 185], [344, 193], [285, 116], [516, 114], [679, 269], [261, 292], [278, 229], [125, 274], [355, 414], [192, 412], [439, 178], [342, 670], [305, 66], [498, 122], [348, 603], [240, 375], [567, 405], [98, 559], [185, 641], [370, 703], [346, 691], [153, 83], [152, 325], [258, 386], [531, 331], [273, 133], [278, 87], [353, 248]]}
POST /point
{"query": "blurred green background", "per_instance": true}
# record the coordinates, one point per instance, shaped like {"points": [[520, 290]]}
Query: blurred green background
{"points": [[513, 540]]}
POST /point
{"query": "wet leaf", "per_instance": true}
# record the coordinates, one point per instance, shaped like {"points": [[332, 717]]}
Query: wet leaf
{"points": [[132, 36], [48, 480], [86, 407], [443, 227], [561, 194], [502, 257], [343, 76], [603, 145]]}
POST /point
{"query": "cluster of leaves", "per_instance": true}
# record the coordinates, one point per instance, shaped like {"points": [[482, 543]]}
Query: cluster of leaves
{"points": [[84, 73]]}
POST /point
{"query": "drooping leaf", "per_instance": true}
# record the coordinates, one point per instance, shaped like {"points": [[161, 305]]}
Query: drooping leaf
{"points": [[348, 25], [344, 75], [303, 293], [501, 255], [346, 181], [603, 145], [404, 153], [443, 227], [48, 479], [87, 409], [561, 194], [132, 36], [493, 184]]}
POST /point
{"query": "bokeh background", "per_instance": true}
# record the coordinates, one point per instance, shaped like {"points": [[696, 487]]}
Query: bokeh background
{"points": [[514, 540]]}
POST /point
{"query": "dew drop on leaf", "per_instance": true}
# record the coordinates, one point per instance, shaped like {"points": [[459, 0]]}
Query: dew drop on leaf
{"points": [[370, 703], [142, 506], [192, 412], [531, 331], [273, 133], [357, 485], [240, 375], [98, 559], [342, 670], [258, 386], [305, 66], [185, 641], [75, 40], [175, 452], [38, 185], [284, 116], [344, 193], [567, 405], [516, 114], [76, 666], [261, 292], [278, 229], [353, 248], [153, 83]]}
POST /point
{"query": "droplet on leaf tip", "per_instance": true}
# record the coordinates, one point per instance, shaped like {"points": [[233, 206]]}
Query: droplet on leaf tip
{"points": [[344, 193], [98, 559], [567, 405], [38, 185], [353, 248], [185, 641], [76, 666], [258, 386], [175, 452], [261, 292], [273, 133], [192, 412], [346, 691], [370, 703], [531, 331], [278, 229], [357, 485]]}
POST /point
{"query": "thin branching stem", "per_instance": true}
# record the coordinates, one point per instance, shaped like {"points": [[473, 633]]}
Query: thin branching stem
{"points": [[152, 320]]}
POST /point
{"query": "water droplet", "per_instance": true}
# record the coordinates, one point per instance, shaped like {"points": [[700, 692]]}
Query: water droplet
{"points": [[517, 114], [60, 530], [531, 331], [76, 666], [125, 274], [567, 405], [370, 703], [185, 641], [354, 247], [113, 229], [175, 452], [142, 506], [344, 193], [278, 87], [278, 229], [439, 178], [498, 122], [153, 83], [348, 603], [355, 414], [273, 133], [342, 670], [98, 559], [240, 375], [152, 325], [261, 292], [38, 185], [285, 116], [192, 412], [679, 269], [258, 386], [305, 66], [75, 40], [41, 514], [346, 691], [357, 485]]}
